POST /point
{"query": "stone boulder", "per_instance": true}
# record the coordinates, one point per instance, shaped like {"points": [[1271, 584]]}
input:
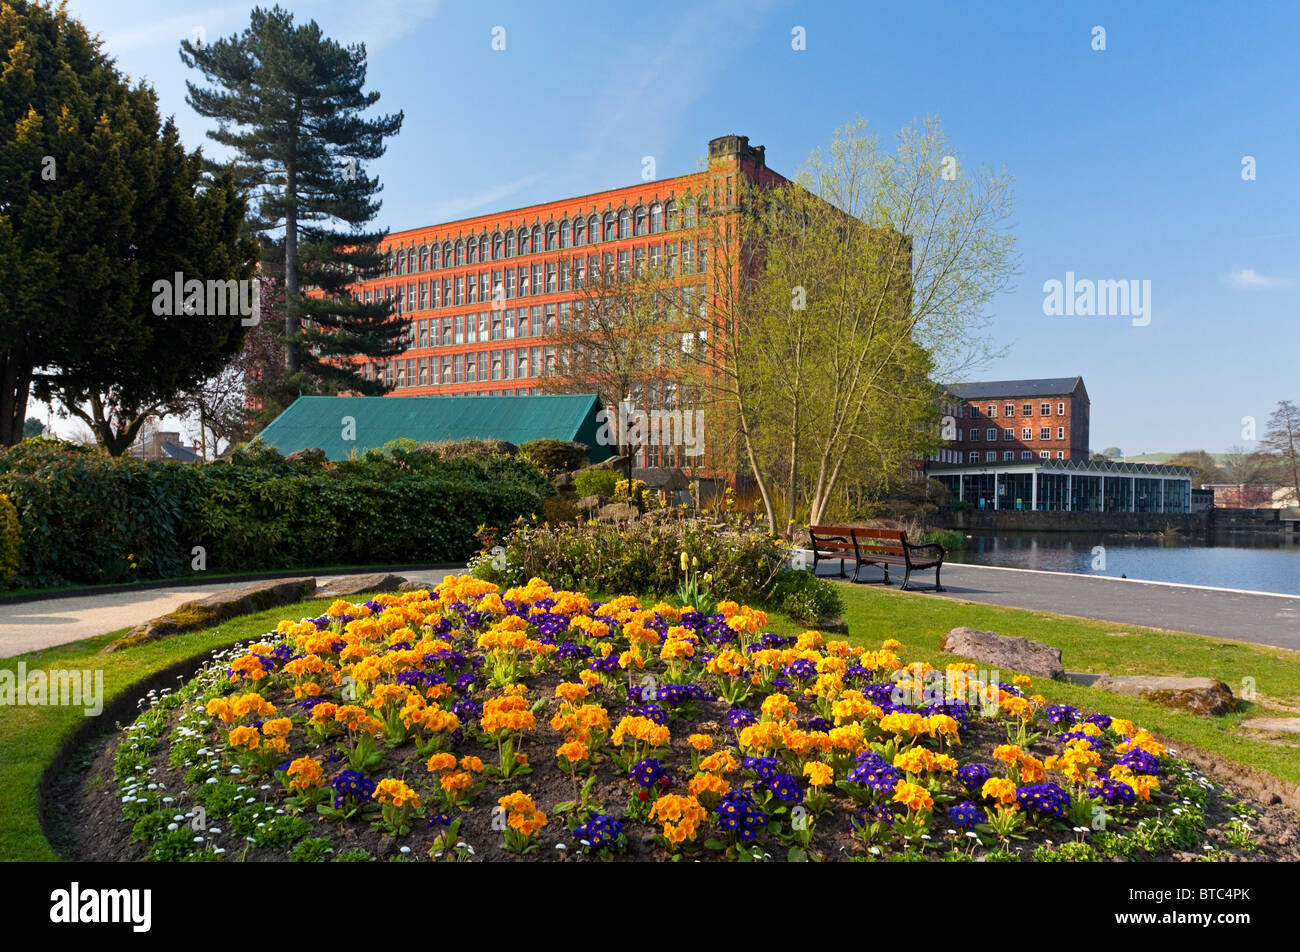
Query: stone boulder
{"points": [[216, 608], [1005, 652], [1277, 725], [313, 456], [1204, 696], [619, 512], [347, 585], [833, 626]]}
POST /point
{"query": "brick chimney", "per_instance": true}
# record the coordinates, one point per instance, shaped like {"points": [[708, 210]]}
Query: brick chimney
{"points": [[738, 146]]}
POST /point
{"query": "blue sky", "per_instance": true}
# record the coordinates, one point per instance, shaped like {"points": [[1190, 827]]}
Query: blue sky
{"points": [[1128, 161]]}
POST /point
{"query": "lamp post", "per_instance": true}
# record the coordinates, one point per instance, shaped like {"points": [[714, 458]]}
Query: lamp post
{"points": [[627, 406]]}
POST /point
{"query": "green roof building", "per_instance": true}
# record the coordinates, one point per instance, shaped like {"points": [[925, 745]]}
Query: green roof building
{"points": [[342, 426]]}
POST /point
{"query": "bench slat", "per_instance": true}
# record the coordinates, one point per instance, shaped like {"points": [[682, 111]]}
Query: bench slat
{"points": [[835, 542]]}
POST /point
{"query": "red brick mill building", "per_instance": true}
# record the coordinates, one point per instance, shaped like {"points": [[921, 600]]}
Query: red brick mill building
{"points": [[1002, 421], [485, 296]]}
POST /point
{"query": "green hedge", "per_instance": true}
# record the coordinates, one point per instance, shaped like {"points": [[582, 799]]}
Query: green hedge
{"points": [[87, 518]]}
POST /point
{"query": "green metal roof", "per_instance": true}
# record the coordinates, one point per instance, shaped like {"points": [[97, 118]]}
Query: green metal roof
{"points": [[322, 422]]}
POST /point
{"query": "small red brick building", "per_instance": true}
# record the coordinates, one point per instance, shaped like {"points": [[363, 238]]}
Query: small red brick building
{"points": [[1004, 421]]}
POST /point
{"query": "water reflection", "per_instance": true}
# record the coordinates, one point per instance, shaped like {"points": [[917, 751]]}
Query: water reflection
{"points": [[1266, 563]]}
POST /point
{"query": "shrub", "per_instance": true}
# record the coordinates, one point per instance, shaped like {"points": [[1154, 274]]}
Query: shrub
{"points": [[950, 539], [554, 457], [595, 482], [637, 496], [475, 449], [805, 597], [10, 538], [104, 520], [642, 557]]}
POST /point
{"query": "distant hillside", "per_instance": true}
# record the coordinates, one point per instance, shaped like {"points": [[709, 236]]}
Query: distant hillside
{"points": [[1219, 458]]}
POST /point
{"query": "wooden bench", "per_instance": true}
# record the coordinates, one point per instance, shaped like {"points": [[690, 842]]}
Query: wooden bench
{"points": [[882, 547]]}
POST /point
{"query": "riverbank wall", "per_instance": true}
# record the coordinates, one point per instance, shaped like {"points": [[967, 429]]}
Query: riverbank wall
{"points": [[1024, 520], [1193, 524]]}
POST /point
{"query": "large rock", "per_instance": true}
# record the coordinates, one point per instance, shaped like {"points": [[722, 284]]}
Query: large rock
{"points": [[312, 455], [1204, 696], [1004, 651], [346, 585], [1280, 725], [216, 608], [833, 626], [619, 512]]}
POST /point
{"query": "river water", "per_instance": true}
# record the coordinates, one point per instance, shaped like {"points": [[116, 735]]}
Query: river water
{"points": [[1254, 563]]}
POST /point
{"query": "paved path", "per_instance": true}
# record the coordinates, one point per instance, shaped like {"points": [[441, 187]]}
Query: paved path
{"points": [[29, 626], [1221, 613]]}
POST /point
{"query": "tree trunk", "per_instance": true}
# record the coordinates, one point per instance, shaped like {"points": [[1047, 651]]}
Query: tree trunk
{"points": [[15, 386], [291, 267]]}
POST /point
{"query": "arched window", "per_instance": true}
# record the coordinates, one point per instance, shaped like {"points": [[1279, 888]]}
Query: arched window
{"points": [[656, 218], [510, 244], [424, 257], [401, 261], [550, 236], [580, 231], [388, 269], [593, 229], [670, 215], [523, 241], [638, 221], [446, 254], [460, 251], [483, 247], [625, 224], [611, 226], [496, 246], [471, 250], [566, 234], [410, 260], [537, 239]]}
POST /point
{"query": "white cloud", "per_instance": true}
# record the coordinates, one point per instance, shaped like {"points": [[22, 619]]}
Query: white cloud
{"points": [[1251, 280], [453, 208]]}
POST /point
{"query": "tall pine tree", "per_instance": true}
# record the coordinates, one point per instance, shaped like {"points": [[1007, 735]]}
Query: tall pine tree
{"points": [[290, 102]]}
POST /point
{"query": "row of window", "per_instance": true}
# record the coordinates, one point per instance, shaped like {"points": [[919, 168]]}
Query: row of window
{"points": [[566, 233], [511, 363], [1009, 433], [1008, 456], [1009, 409], [543, 278], [535, 321]]}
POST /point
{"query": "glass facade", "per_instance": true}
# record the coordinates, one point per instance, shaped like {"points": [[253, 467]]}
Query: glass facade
{"points": [[1052, 491], [1049, 490]]}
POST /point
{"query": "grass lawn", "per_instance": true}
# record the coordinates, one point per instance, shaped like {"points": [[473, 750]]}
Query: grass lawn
{"points": [[31, 736], [919, 621]]}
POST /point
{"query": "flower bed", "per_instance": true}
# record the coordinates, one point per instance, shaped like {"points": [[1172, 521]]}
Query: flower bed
{"points": [[467, 723]]}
